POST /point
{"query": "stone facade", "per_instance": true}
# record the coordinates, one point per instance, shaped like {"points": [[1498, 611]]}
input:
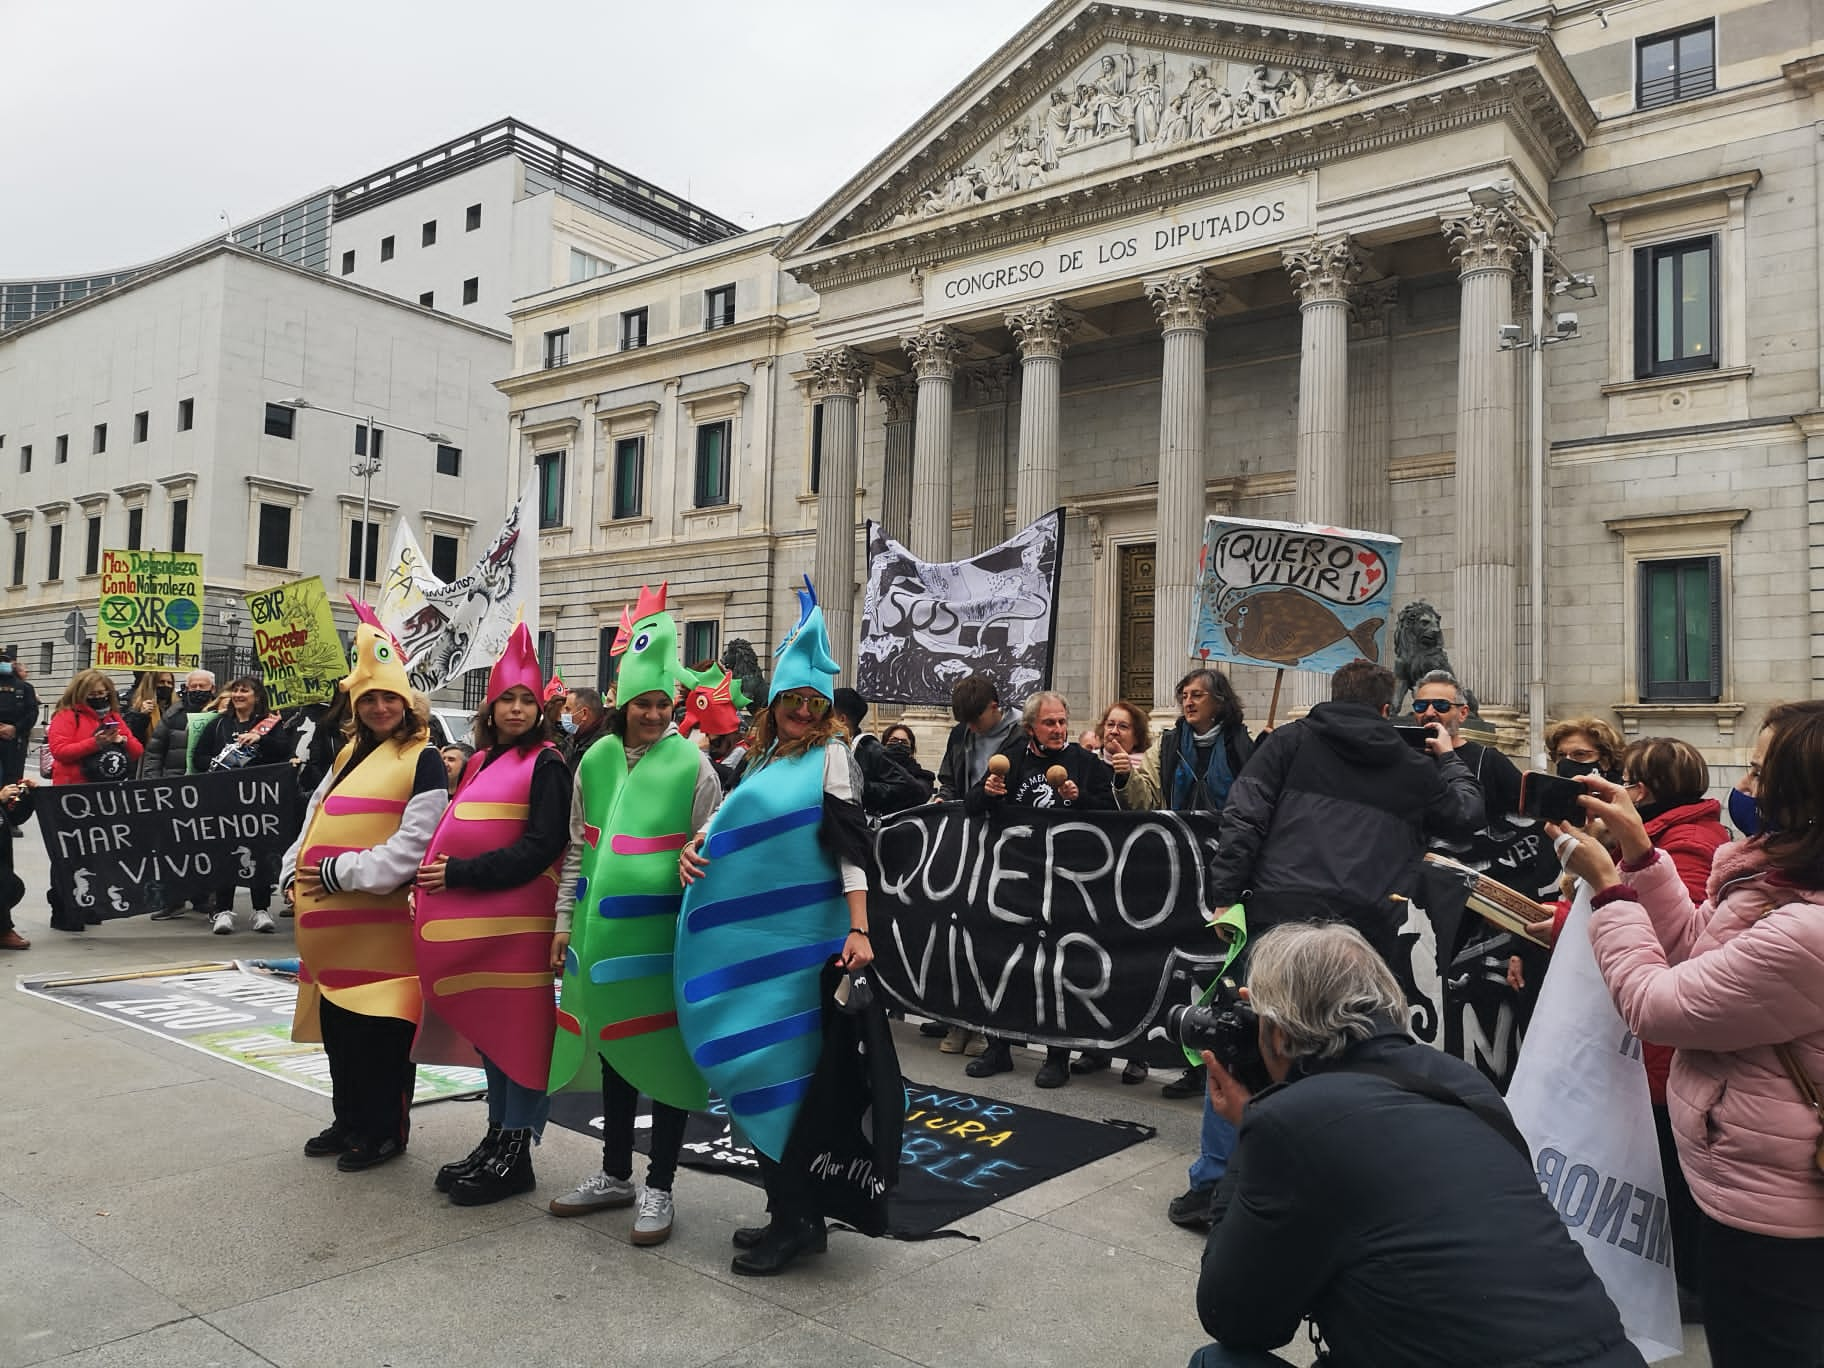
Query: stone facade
{"points": [[1055, 290]]}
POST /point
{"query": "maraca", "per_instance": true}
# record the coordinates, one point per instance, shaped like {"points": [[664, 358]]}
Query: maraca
{"points": [[1057, 776], [999, 764]]}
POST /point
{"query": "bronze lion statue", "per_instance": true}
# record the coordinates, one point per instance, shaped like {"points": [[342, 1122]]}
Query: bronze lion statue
{"points": [[1418, 649]]}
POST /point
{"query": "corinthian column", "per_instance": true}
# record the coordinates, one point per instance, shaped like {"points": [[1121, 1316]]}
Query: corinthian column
{"points": [[837, 375], [934, 350], [989, 384], [1371, 404], [1042, 331], [1486, 245], [1182, 302], [1322, 272], [896, 398]]}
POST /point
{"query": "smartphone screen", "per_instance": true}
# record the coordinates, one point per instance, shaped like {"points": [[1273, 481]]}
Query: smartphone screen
{"points": [[1416, 737], [1551, 798]]}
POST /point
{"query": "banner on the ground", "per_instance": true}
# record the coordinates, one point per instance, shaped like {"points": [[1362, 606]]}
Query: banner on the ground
{"points": [[1293, 596], [237, 1010], [446, 629], [1045, 925], [925, 625], [121, 849], [150, 616], [294, 631]]}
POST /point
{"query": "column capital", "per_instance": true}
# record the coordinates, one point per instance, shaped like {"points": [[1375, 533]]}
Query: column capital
{"points": [[1185, 299], [837, 372], [1371, 306], [1043, 329], [1324, 269], [935, 349], [990, 381], [897, 395], [1484, 240]]}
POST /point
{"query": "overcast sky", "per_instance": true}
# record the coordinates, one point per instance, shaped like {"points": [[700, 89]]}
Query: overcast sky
{"points": [[129, 127]]}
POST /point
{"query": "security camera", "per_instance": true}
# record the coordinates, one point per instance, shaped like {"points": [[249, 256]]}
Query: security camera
{"points": [[1510, 334], [229, 619], [1565, 324]]}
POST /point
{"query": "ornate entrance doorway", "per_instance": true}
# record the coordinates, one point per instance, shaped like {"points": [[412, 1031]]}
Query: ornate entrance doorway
{"points": [[1134, 599]]}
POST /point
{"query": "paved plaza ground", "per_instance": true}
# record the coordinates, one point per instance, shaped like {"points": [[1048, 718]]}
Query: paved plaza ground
{"points": [[156, 1211]]}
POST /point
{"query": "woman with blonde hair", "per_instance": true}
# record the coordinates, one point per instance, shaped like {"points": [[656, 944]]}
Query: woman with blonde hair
{"points": [[151, 696]]}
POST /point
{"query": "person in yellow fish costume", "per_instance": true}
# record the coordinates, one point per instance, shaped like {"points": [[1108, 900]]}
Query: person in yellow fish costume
{"points": [[349, 877]]}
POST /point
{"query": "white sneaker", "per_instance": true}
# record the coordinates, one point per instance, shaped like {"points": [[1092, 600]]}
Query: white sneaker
{"points": [[262, 921], [653, 1224], [222, 923], [597, 1192]]}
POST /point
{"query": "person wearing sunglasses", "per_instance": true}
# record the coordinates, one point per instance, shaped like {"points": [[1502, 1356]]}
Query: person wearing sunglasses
{"points": [[1439, 700]]}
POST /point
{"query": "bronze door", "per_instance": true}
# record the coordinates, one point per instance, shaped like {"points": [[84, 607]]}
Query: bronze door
{"points": [[1134, 596]]}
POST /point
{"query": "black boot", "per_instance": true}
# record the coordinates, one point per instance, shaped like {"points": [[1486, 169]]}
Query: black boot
{"points": [[996, 1059], [780, 1246], [507, 1172], [467, 1167]]}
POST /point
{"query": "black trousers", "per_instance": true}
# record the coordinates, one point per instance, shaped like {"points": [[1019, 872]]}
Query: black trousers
{"points": [[1681, 1208], [1763, 1298], [371, 1075], [620, 1100], [261, 893]]}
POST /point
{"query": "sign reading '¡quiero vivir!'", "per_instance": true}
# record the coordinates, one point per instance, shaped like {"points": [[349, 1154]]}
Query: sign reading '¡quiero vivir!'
{"points": [[1199, 232]]}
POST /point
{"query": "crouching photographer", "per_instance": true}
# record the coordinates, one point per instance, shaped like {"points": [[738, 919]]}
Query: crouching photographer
{"points": [[1378, 1187]]}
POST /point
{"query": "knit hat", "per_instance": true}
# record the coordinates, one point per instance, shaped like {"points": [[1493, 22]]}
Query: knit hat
{"points": [[518, 664], [648, 642], [803, 659], [378, 663]]}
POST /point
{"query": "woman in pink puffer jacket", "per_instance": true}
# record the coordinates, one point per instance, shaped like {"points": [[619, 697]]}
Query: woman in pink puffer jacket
{"points": [[1724, 984]]}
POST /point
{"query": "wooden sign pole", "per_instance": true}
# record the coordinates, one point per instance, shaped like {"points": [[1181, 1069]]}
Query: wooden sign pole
{"points": [[1279, 678]]}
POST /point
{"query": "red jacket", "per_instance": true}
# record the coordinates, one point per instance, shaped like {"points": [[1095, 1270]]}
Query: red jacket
{"points": [[71, 737], [1690, 835]]}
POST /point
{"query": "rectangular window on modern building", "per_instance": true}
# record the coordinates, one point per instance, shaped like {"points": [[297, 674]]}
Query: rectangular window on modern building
{"points": [[100, 443], [361, 440], [428, 299], [719, 306], [1675, 307], [702, 641], [629, 476], [142, 425], [557, 348], [280, 421], [816, 447], [186, 414], [273, 547], [136, 528], [586, 266], [712, 464], [1675, 66], [357, 570], [550, 489], [444, 551], [25, 459], [449, 460], [63, 449], [1681, 636], [386, 249], [180, 524], [348, 263], [471, 289], [53, 563], [20, 538], [607, 664], [91, 546], [427, 236], [471, 218], [633, 330]]}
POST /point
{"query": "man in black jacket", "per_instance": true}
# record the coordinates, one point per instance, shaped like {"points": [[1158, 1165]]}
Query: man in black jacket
{"points": [[1381, 1190], [982, 728], [1329, 822], [886, 785], [18, 715]]}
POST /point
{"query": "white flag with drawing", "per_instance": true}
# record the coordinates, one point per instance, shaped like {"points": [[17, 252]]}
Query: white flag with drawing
{"points": [[449, 628]]}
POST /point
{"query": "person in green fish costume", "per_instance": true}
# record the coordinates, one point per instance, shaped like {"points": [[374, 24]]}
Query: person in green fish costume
{"points": [[640, 792]]}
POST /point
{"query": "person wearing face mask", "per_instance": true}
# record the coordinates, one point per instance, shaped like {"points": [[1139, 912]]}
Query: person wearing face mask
{"points": [[18, 715], [483, 925], [89, 743], [1585, 745], [583, 721], [179, 727], [245, 733], [153, 692]]}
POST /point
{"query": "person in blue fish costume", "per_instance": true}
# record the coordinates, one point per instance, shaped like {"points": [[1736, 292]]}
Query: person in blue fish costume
{"points": [[776, 887]]}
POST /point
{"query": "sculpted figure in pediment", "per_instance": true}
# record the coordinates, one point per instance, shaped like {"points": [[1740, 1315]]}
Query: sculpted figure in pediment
{"points": [[1295, 98], [1056, 136], [1199, 90], [1217, 115], [1148, 97], [1265, 90], [1176, 127], [1111, 105], [1082, 116]]}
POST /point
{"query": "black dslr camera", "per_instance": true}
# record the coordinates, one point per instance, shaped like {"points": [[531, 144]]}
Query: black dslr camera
{"points": [[1228, 1028]]}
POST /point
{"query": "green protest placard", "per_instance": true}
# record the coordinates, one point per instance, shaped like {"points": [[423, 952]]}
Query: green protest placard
{"points": [[151, 611], [295, 634]]}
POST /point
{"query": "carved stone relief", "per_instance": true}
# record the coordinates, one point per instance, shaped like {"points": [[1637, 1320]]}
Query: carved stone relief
{"points": [[1126, 104]]}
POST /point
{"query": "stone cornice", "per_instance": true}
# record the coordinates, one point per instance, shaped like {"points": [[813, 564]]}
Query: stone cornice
{"points": [[607, 366], [1807, 73], [1677, 196], [1067, 30]]}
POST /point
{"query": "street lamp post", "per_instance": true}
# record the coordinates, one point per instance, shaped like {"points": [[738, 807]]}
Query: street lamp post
{"points": [[367, 469]]}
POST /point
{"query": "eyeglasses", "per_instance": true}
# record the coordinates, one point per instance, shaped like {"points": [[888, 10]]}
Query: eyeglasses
{"points": [[815, 704], [1442, 705], [1191, 695], [1581, 757]]}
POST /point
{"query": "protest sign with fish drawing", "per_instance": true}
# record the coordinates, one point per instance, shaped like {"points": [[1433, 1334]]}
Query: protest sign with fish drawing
{"points": [[1293, 596]]}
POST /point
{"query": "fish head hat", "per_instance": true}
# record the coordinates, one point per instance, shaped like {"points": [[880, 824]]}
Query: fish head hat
{"points": [[518, 664], [803, 660], [713, 703], [376, 662], [647, 643]]}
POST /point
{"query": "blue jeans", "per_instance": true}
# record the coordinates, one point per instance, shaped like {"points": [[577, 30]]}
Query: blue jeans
{"points": [[514, 1106], [1217, 1143], [1215, 1356]]}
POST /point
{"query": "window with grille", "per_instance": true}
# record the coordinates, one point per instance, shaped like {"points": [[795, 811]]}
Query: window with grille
{"points": [[1675, 66]]}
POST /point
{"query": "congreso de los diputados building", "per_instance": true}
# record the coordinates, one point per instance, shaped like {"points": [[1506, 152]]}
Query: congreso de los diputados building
{"points": [[1536, 289]]}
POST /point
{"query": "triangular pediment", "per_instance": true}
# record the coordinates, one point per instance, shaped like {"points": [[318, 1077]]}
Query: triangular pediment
{"points": [[1090, 94]]}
